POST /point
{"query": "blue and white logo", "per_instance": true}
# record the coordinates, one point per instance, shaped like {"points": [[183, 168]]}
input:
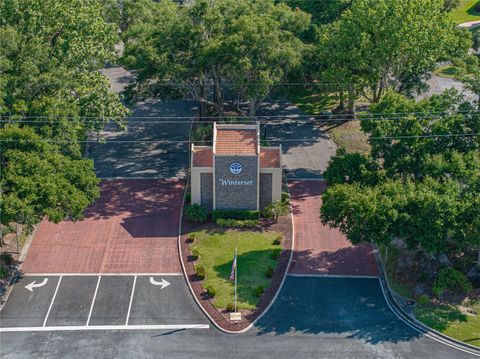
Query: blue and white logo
{"points": [[236, 168]]}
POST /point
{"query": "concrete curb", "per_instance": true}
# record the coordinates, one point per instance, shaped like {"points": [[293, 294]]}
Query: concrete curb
{"points": [[191, 289], [414, 323]]}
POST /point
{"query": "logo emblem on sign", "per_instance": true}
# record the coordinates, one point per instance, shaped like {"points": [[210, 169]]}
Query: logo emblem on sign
{"points": [[236, 168]]}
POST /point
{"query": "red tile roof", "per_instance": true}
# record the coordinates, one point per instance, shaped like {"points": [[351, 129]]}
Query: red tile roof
{"points": [[269, 157], [202, 157], [236, 142]]}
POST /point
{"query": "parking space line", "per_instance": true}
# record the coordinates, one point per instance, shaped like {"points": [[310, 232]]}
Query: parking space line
{"points": [[53, 299], [97, 274], [104, 327], [131, 299], [93, 300]]}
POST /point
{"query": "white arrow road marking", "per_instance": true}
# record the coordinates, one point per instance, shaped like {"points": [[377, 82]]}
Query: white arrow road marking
{"points": [[163, 283], [34, 285]]}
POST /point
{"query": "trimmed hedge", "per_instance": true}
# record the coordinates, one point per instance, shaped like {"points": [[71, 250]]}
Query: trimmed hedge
{"points": [[235, 223], [235, 214]]}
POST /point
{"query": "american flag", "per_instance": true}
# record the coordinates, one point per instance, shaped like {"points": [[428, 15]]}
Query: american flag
{"points": [[234, 266]]}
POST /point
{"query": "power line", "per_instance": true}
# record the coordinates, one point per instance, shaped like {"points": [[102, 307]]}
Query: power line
{"points": [[245, 142]]}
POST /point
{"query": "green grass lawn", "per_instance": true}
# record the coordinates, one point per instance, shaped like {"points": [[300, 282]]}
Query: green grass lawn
{"points": [[216, 250], [466, 12], [449, 320], [448, 71]]}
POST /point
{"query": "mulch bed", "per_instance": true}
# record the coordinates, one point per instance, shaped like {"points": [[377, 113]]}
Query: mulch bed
{"points": [[221, 317]]}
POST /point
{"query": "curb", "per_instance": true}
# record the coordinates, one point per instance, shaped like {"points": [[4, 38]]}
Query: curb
{"points": [[191, 289], [414, 323]]}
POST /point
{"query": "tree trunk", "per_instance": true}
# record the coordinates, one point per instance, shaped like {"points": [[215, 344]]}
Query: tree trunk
{"points": [[341, 98], [252, 108], [203, 101], [217, 93], [351, 99]]}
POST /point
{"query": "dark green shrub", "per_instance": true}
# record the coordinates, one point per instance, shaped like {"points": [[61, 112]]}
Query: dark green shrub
{"points": [[285, 197], [424, 300], [192, 237], [3, 271], [269, 272], [230, 307], [188, 198], [211, 291], [235, 214], [195, 253], [450, 278], [196, 213], [276, 253], [200, 271], [6, 258], [275, 210], [258, 291], [278, 240], [235, 223]]}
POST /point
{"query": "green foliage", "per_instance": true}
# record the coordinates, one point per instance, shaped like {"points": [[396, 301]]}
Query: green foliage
{"points": [[258, 291], [3, 272], [450, 278], [235, 214], [424, 300], [6, 258], [211, 291], [230, 307], [351, 167], [195, 253], [196, 213], [237, 223], [269, 272], [192, 237], [276, 253], [276, 209], [278, 240], [200, 271]]}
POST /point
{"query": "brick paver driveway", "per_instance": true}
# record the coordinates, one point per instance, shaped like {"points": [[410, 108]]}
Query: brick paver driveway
{"points": [[131, 228], [318, 248]]}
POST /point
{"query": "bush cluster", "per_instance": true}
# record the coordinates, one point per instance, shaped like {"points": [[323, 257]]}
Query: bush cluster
{"points": [[269, 272], [6, 260], [196, 213], [276, 253], [230, 307], [278, 240], [258, 291], [236, 223], [195, 253], [450, 278], [235, 214], [200, 271], [211, 291]]}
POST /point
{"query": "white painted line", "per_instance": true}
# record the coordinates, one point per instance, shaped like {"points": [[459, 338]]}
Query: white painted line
{"points": [[51, 303], [333, 276], [97, 274], [93, 300], [104, 327], [131, 299]]}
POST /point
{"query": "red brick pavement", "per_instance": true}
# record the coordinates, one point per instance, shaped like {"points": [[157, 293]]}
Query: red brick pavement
{"points": [[131, 228], [318, 248]]}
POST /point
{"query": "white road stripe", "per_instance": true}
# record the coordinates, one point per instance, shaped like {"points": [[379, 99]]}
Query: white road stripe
{"points": [[51, 303], [131, 299], [103, 327], [97, 274], [93, 300]]}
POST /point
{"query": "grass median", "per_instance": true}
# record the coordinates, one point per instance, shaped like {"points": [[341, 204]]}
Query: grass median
{"points": [[256, 256]]}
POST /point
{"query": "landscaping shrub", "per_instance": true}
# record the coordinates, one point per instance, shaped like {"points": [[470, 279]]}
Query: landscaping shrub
{"points": [[276, 253], [424, 300], [196, 213], [3, 271], [236, 223], [6, 258], [211, 291], [235, 214], [275, 210], [192, 237], [194, 252], [285, 197], [200, 271], [188, 198], [450, 278], [258, 291], [230, 307], [278, 240], [269, 272]]}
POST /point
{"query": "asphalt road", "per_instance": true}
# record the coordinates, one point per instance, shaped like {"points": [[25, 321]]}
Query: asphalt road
{"points": [[313, 318]]}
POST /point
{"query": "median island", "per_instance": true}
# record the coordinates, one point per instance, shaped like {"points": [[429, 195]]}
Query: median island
{"points": [[263, 245]]}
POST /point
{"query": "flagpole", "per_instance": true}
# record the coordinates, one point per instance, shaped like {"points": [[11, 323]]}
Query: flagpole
{"points": [[235, 300]]}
